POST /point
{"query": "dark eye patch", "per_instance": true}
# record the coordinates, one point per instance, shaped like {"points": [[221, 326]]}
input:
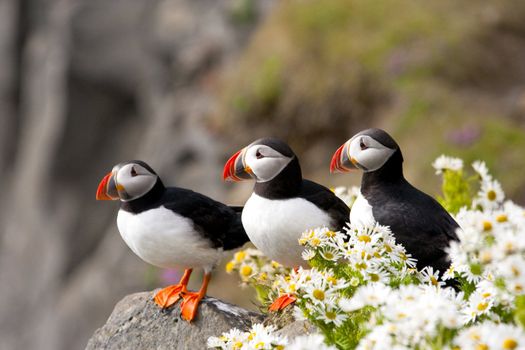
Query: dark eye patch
{"points": [[133, 172], [258, 155], [362, 145]]}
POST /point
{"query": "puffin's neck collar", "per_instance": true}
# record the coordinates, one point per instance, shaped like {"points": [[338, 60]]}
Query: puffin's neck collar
{"points": [[391, 172], [153, 195], [286, 184]]}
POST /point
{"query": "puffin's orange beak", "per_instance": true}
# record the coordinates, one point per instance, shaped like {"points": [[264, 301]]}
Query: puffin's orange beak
{"points": [[341, 160], [235, 168], [107, 189]]}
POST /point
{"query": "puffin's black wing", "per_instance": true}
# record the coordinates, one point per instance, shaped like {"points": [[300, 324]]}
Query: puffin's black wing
{"points": [[213, 220], [325, 199], [418, 222]]}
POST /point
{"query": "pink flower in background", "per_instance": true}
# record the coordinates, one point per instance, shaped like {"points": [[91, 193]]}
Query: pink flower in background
{"points": [[464, 136]]}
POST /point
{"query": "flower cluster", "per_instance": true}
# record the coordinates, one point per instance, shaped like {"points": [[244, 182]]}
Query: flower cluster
{"points": [[362, 253], [489, 259], [364, 292], [256, 270], [411, 316], [258, 337], [265, 337]]}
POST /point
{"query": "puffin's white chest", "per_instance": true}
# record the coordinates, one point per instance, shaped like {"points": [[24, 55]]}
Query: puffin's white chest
{"points": [[166, 239], [361, 212], [275, 226]]}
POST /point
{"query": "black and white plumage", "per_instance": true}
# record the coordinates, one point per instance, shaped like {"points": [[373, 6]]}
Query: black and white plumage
{"points": [[417, 220], [283, 204], [170, 227]]}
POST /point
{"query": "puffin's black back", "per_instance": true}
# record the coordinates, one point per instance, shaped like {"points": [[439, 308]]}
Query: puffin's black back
{"points": [[213, 220], [417, 220]]}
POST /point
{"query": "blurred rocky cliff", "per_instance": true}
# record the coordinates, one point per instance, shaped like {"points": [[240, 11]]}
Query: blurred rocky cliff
{"points": [[182, 84], [85, 84]]}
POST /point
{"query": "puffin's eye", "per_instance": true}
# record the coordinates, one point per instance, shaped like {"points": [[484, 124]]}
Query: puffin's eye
{"points": [[362, 145], [133, 172], [258, 155]]}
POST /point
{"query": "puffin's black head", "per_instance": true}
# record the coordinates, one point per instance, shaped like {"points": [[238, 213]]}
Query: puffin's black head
{"points": [[368, 150], [127, 181], [262, 160]]}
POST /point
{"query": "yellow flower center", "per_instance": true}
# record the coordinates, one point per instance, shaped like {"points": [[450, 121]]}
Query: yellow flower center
{"points": [[510, 344], [388, 248], [229, 266], [486, 295], [328, 256], [259, 345], [332, 279], [246, 270], [361, 266], [263, 276], [482, 347], [314, 242], [330, 234], [509, 248], [515, 271], [374, 277], [331, 315], [491, 195], [364, 238], [239, 256], [502, 218], [486, 257], [487, 226], [482, 306], [433, 281], [318, 294], [237, 345]]}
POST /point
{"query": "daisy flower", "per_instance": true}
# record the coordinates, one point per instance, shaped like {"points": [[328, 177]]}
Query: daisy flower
{"points": [[443, 163]]}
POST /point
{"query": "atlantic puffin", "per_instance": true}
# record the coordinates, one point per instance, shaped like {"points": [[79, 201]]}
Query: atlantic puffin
{"points": [[417, 220], [283, 204], [171, 227]]}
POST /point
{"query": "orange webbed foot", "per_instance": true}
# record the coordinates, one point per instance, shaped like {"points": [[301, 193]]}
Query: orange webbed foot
{"points": [[168, 296], [190, 305], [282, 302]]}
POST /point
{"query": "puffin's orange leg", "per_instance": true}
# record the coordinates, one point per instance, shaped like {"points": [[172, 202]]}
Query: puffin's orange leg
{"points": [[171, 294], [282, 302], [191, 300]]}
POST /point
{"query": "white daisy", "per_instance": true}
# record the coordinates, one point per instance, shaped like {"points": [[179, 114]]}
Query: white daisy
{"points": [[443, 163]]}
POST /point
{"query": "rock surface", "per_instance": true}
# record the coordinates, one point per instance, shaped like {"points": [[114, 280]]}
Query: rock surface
{"points": [[137, 323]]}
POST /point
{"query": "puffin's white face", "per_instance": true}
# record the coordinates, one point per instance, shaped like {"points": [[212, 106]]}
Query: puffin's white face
{"points": [[367, 153], [264, 162], [133, 181]]}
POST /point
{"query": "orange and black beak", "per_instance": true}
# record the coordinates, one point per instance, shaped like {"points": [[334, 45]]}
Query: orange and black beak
{"points": [[341, 160], [107, 189], [236, 169]]}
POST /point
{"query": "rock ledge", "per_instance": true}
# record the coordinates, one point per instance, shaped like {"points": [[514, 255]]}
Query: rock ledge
{"points": [[137, 323]]}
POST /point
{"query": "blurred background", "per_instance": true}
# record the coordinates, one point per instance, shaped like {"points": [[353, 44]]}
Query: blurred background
{"points": [[182, 84]]}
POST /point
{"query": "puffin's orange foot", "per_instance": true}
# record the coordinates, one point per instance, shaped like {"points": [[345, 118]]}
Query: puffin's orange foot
{"points": [[168, 296], [190, 305], [282, 302]]}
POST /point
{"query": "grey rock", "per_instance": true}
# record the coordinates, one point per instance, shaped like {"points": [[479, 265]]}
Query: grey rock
{"points": [[297, 328], [137, 323]]}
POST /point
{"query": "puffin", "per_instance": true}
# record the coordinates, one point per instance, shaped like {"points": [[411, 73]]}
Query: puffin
{"points": [[283, 205], [416, 219], [171, 227]]}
